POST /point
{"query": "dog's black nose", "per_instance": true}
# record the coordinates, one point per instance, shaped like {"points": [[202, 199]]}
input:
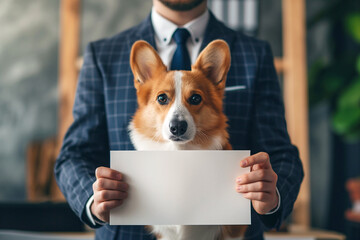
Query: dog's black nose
{"points": [[177, 127]]}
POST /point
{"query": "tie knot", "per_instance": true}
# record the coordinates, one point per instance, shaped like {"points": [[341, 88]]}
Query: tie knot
{"points": [[181, 35]]}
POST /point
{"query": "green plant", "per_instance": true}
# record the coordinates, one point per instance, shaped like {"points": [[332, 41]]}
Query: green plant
{"points": [[337, 79]]}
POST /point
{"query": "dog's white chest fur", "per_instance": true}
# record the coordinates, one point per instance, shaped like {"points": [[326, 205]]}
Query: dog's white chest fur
{"points": [[178, 232]]}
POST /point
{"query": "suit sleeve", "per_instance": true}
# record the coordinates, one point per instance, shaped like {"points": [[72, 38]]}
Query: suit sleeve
{"points": [[269, 134], [85, 146]]}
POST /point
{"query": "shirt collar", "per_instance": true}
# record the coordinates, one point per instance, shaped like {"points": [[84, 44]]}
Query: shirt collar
{"points": [[164, 28]]}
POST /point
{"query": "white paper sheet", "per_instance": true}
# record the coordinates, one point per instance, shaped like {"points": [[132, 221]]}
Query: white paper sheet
{"points": [[181, 188]]}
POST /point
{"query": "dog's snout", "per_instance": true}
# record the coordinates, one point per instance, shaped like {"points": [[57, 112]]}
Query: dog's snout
{"points": [[178, 127]]}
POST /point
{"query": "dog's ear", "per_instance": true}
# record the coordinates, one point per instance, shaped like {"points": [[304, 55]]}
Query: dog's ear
{"points": [[214, 62], [144, 62]]}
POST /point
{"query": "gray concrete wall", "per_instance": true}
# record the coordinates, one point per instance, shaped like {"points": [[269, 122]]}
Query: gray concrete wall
{"points": [[108, 17], [28, 85], [29, 71]]}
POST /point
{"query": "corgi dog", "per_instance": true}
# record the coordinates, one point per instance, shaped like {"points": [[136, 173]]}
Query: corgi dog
{"points": [[182, 110]]}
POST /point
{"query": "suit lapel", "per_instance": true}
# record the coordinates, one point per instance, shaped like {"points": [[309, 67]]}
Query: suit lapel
{"points": [[146, 32], [217, 30], [143, 31]]}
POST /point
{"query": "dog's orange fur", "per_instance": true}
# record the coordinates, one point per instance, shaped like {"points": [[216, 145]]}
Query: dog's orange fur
{"points": [[150, 115], [207, 78]]}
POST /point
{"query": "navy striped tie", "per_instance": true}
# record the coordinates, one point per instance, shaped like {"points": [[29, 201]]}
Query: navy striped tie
{"points": [[181, 58]]}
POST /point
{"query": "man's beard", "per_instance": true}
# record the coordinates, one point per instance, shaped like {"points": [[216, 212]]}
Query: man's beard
{"points": [[181, 5]]}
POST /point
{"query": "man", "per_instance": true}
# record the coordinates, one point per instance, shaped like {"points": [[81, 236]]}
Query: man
{"points": [[106, 101]]}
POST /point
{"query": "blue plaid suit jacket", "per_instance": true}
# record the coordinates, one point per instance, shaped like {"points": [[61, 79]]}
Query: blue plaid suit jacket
{"points": [[106, 101]]}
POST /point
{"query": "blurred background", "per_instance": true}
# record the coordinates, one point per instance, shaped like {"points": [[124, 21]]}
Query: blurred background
{"points": [[30, 49]]}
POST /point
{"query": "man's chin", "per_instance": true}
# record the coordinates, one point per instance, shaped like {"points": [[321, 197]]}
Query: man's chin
{"points": [[181, 5]]}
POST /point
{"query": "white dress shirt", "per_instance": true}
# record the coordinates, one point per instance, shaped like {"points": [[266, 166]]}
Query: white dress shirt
{"points": [[164, 30], [166, 47]]}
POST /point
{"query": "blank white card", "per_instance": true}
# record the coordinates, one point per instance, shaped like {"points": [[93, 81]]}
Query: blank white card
{"points": [[181, 188]]}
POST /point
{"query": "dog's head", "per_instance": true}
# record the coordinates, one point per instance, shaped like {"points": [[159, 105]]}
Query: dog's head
{"points": [[180, 106]]}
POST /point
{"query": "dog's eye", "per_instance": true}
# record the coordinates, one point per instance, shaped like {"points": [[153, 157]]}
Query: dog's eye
{"points": [[163, 99], [195, 99]]}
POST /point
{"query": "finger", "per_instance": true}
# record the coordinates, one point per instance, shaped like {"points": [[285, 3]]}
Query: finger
{"points": [[108, 184], [256, 167], [108, 195], [261, 175], [105, 207], [258, 196], [268, 187], [104, 172], [261, 158]]}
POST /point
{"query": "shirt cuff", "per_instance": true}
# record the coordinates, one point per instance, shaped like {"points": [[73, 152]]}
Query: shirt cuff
{"points": [[278, 205], [91, 217]]}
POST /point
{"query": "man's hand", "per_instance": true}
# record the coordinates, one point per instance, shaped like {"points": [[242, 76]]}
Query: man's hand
{"points": [[109, 192], [260, 184]]}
